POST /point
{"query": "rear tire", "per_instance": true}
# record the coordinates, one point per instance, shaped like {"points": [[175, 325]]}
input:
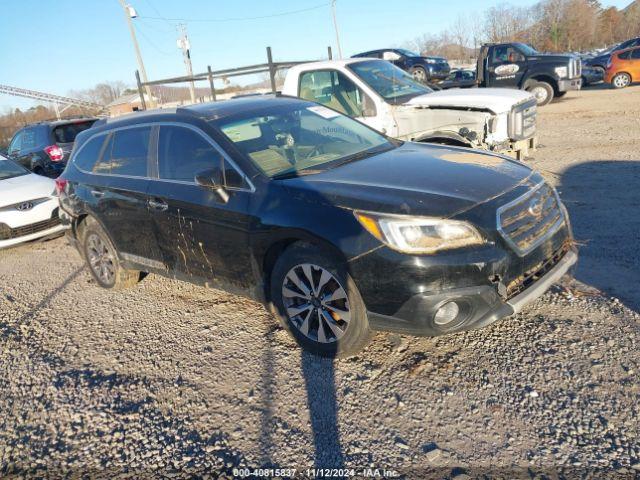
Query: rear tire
{"points": [[102, 259], [621, 80], [542, 91], [318, 303], [39, 171]]}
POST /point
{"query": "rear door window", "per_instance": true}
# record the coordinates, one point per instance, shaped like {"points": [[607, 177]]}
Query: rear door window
{"points": [[130, 151], [67, 133], [88, 155], [28, 140]]}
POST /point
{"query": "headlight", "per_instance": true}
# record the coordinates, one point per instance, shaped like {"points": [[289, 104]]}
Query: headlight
{"points": [[561, 72], [419, 234], [430, 60]]}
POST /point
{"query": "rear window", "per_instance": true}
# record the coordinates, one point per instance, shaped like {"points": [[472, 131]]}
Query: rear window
{"points": [[67, 133], [87, 156]]}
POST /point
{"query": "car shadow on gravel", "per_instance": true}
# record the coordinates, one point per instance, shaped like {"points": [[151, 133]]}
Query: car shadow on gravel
{"points": [[603, 200], [319, 379], [14, 330]]}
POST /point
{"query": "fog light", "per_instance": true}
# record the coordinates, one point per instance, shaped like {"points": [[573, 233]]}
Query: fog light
{"points": [[447, 313]]}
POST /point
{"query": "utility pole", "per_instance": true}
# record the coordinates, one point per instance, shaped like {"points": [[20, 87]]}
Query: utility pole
{"points": [[335, 25], [185, 46], [129, 13]]}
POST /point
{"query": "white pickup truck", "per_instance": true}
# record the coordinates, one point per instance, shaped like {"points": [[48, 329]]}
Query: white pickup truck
{"points": [[389, 100]]}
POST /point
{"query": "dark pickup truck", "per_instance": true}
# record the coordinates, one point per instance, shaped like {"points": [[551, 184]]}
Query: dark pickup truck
{"points": [[517, 65]]}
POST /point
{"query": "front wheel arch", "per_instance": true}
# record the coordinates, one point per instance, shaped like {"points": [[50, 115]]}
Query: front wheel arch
{"points": [[358, 333], [280, 246]]}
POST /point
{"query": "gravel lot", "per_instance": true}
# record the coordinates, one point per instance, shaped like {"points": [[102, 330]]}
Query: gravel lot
{"points": [[172, 380]]}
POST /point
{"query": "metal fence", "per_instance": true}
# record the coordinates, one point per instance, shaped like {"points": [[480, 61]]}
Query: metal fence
{"points": [[164, 92]]}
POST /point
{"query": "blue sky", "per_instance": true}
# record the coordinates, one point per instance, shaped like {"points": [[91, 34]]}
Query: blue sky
{"points": [[60, 45]]}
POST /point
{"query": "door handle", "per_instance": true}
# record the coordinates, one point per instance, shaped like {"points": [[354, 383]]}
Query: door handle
{"points": [[160, 206], [97, 193]]}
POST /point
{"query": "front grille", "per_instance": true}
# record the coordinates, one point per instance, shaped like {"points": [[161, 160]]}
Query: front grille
{"points": [[530, 219], [522, 120], [575, 68], [7, 233], [528, 278]]}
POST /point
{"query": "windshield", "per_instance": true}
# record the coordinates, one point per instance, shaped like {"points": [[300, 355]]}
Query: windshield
{"points": [[9, 169], [527, 49], [389, 81], [293, 140], [407, 53]]}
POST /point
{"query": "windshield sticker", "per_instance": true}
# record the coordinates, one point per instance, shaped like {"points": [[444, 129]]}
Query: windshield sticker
{"points": [[324, 112], [508, 69]]}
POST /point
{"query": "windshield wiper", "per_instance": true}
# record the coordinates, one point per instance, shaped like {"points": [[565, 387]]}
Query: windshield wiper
{"points": [[361, 155], [296, 173]]}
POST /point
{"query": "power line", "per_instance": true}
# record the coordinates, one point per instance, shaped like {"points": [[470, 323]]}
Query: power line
{"points": [[148, 2], [150, 42], [151, 26], [239, 19]]}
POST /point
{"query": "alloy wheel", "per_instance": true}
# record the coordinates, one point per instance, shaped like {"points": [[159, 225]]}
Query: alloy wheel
{"points": [[101, 259], [419, 75], [621, 80], [540, 93], [316, 303]]}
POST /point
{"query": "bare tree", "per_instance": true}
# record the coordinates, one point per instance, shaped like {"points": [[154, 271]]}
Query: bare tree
{"points": [[460, 35]]}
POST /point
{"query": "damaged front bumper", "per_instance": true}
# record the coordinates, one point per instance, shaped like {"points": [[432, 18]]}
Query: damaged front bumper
{"points": [[478, 306], [520, 149]]}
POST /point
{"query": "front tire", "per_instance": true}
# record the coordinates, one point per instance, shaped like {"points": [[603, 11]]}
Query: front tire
{"points": [[420, 74], [102, 260], [542, 91], [621, 80], [318, 303]]}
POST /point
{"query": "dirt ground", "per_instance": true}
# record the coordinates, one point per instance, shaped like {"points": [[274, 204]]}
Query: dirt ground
{"points": [[172, 380]]}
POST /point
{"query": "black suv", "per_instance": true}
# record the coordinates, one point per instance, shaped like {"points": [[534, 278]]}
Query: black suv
{"points": [[44, 147], [423, 69], [601, 60], [337, 227]]}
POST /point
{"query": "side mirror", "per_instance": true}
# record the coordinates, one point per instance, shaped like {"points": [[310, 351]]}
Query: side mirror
{"points": [[390, 56], [213, 180]]}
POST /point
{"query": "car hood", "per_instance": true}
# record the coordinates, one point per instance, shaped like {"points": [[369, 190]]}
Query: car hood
{"points": [[497, 100], [25, 187], [413, 179], [597, 59], [437, 59]]}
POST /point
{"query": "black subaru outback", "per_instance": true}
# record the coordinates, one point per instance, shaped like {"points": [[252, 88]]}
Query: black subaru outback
{"points": [[341, 230]]}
